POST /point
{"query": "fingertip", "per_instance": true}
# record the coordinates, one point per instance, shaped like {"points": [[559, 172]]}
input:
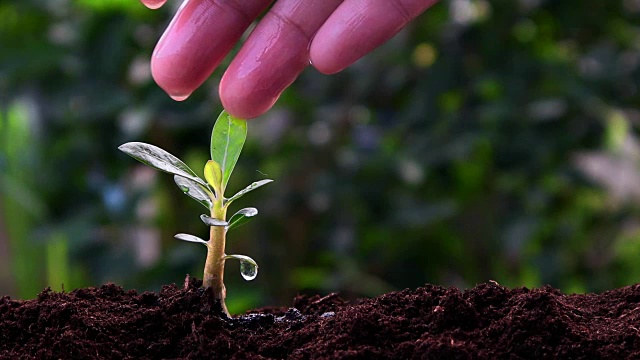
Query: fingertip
{"points": [[326, 64], [240, 101], [358, 27], [269, 61], [339, 42], [196, 41], [165, 78]]}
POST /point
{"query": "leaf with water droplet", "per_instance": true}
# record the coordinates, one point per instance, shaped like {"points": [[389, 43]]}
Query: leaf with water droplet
{"points": [[248, 266], [241, 217], [159, 159], [249, 188], [209, 221], [191, 238], [194, 190], [227, 138]]}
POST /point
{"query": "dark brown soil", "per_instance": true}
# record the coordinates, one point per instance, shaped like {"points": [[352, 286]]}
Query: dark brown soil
{"points": [[486, 322]]}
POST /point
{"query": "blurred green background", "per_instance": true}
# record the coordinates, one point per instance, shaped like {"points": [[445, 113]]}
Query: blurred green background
{"points": [[490, 140]]}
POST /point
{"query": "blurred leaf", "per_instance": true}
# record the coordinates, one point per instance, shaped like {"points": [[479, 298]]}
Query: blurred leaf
{"points": [[617, 128], [110, 5], [57, 254]]}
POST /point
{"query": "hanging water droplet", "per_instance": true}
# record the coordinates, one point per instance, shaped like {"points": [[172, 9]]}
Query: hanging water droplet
{"points": [[248, 270], [153, 4], [248, 266], [179, 97]]}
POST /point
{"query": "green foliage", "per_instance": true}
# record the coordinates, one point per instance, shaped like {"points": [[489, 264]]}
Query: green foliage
{"points": [[213, 174], [195, 190], [227, 140], [21, 209], [191, 238], [241, 217], [160, 160], [113, 5], [248, 189]]}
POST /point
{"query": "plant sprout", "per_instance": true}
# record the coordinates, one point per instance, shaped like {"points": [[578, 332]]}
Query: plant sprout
{"points": [[228, 137]]}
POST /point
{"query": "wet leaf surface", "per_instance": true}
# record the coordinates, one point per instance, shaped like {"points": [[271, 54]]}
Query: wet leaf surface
{"points": [[159, 159], [242, 217], [191, 238], [249, 188], [194, 190]]}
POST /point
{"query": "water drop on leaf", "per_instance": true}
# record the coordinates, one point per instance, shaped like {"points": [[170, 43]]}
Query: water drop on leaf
{"points": [[248, 266], [248, 270]]}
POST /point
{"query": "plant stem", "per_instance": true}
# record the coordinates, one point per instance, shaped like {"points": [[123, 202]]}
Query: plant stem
{"points": [[214, 267]]}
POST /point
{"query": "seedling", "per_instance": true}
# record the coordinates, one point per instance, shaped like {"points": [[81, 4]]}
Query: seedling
{"points": [[228, 137]]}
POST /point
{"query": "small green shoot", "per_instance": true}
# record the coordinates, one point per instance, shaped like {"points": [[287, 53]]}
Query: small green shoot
{"points": [[228, 137]]}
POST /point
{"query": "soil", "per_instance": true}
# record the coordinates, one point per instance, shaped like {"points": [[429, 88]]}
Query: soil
{"points": [[432, 322]]}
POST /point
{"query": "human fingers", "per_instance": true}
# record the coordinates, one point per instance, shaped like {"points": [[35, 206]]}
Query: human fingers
{"points": [[273, 56], [200, 35], [359, 26], [153, 4]]}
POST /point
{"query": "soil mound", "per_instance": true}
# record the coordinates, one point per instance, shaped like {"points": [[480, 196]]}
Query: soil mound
{"points": [[486, 322]]}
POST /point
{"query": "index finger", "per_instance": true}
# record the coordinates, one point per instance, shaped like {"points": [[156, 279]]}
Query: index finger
{"points": [[200, 35]]}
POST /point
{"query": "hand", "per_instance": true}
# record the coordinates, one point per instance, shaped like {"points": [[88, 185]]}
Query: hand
{"points": [[331, 34]]}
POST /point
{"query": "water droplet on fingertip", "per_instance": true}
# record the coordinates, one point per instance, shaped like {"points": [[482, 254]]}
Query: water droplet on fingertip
{"points": [[248, 270], [153, 4], [179, 97]]}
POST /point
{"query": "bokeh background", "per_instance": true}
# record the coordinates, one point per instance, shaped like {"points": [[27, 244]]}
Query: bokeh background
{"points": [[489, 140]]}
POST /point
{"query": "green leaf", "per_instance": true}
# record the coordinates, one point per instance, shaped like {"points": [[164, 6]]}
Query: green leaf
{"points": [[194, 190], [209, 221], [191, 238], [159, 159], [251, 187], [227, 139], [213, 175], [241, 217], [242, 258]]}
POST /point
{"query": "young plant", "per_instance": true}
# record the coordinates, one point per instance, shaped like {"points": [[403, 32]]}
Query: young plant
{"points": [[227, 139]]}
